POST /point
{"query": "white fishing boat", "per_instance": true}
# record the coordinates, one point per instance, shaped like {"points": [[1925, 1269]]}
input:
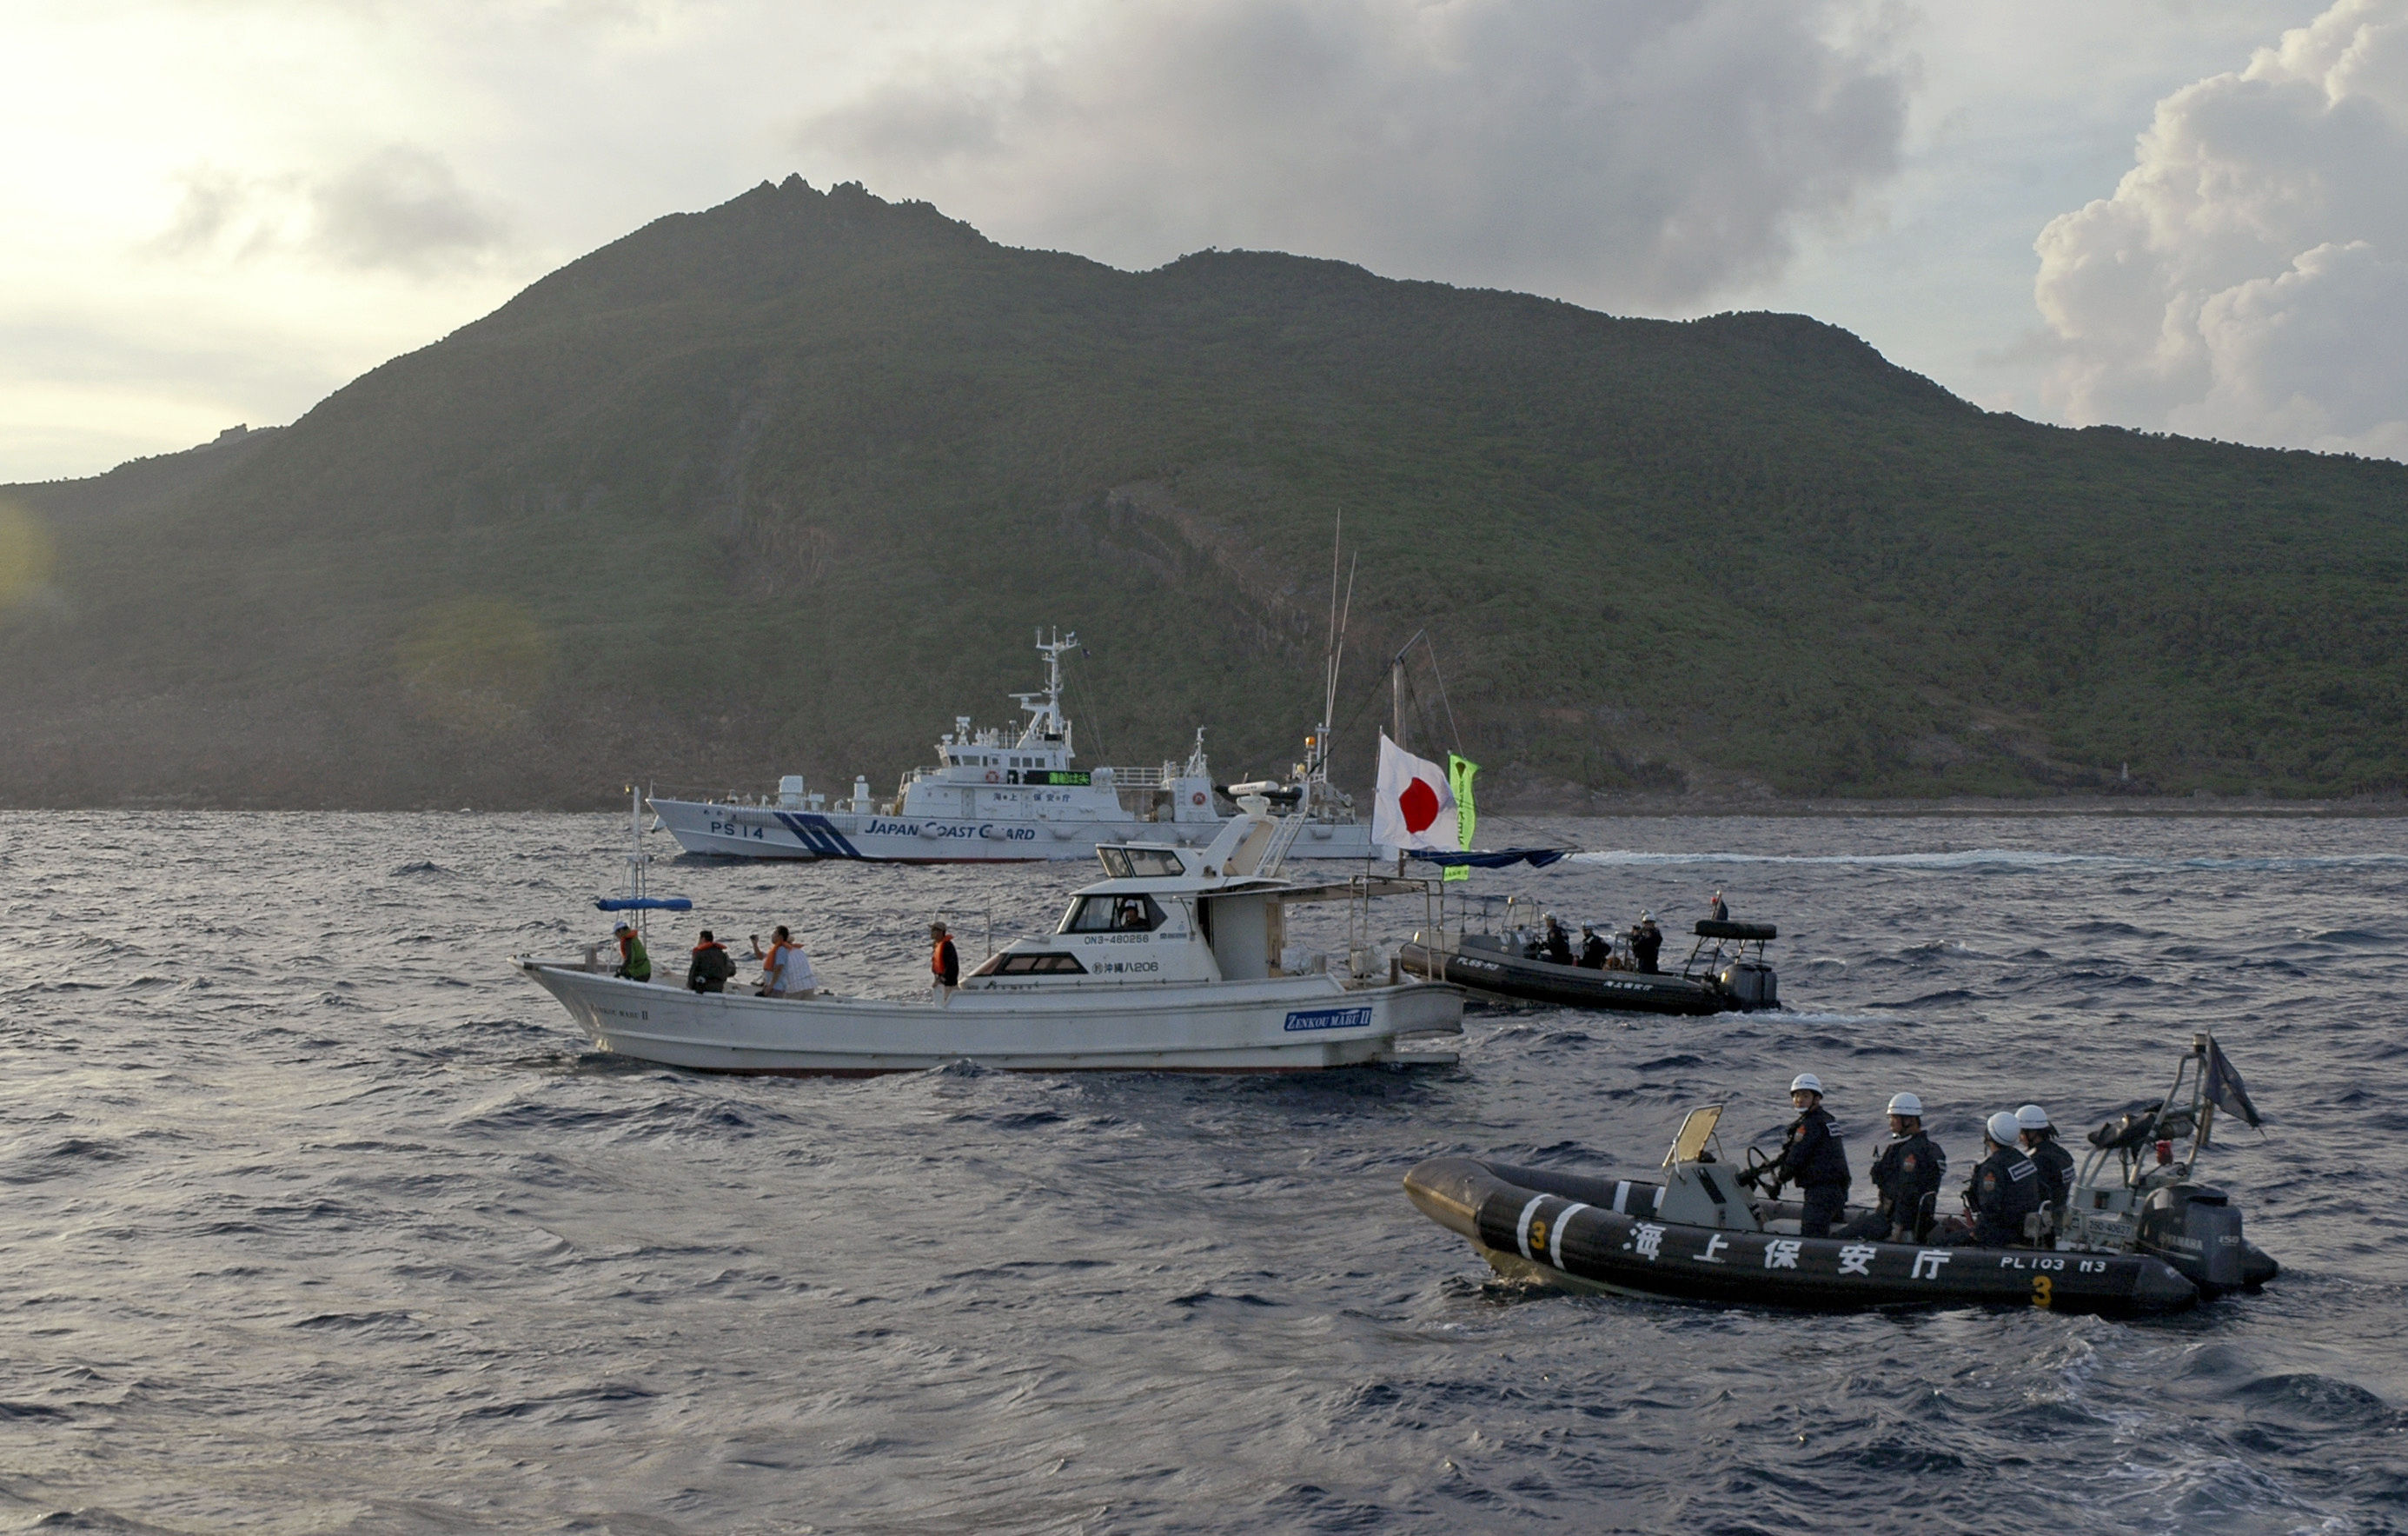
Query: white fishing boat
{"points": [[1177, 961], [1011, 794]]}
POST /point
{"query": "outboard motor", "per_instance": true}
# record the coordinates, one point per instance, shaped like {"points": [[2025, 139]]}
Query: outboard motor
{"points": [[2195, 1230], [1750, 985]]}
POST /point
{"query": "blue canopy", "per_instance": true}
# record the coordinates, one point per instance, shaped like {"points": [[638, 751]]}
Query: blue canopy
{"points": [[642, 903], [1537, 858]]}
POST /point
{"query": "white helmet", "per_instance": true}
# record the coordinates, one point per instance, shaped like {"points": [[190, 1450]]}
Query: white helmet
{"points": [[1906, 1103], [2002, 1128], [1807, 1082], [2032, 1117]]}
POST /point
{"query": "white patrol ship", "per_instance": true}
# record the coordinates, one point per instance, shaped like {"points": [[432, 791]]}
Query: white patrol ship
{"points": [[1179, 961], [998, 795]]}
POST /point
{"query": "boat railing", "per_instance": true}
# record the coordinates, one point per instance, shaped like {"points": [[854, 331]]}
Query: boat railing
{"points": [[1283, 836], [697, 795], [1142, 777]]}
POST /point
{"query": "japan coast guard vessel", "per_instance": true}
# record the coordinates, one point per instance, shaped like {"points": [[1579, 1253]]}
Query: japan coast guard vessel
{"points": [[1011, 795], [2139, 1234], [1177, 962]]}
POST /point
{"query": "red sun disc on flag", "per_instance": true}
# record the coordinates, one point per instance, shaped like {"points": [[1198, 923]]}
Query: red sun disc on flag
{"points": [[1419, 802]]}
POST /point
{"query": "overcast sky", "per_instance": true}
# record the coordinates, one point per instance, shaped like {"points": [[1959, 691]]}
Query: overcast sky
{"points": [[2188, 215]]}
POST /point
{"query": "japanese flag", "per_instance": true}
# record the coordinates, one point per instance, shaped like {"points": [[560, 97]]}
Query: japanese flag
{"points": [[1415, 808]]}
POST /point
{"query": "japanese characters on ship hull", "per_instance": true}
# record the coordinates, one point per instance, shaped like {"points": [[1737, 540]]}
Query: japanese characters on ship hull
{"points": [[1635, 1252]]}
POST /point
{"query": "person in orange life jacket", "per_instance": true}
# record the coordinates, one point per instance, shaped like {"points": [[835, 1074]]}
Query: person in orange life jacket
{"points": [[944, 964], [1815, 1158], [785, 969], [634, 964], [710, 968]]}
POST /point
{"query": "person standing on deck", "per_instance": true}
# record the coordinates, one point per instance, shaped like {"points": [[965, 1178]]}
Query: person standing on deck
{"points": [[1646, 941], [944, 964], [1722, 909], [785, 969], [634, 964], [709, 969], [1815, 1158], [2056, 1163]]}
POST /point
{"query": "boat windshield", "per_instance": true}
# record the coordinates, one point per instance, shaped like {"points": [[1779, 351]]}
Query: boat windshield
{"points": [[1111, 915]]}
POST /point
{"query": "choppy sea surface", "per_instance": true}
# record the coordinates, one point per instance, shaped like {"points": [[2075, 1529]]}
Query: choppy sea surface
{"points": [[317, 1218]]}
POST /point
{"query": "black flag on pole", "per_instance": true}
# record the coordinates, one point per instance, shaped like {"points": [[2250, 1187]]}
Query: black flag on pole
{"points": [[2225, 1088]]}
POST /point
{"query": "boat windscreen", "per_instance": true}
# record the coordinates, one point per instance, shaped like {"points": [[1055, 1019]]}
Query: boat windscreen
{"points": [[1111, 915], [1691, 1139]]}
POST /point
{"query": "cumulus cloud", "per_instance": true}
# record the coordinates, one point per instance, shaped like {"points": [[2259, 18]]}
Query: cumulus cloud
{"points": [[1629, 152], [400, 208], [2249, 278]]}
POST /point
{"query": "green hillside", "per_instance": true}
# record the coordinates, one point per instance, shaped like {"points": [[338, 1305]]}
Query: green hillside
{"points": [[785, 485]]}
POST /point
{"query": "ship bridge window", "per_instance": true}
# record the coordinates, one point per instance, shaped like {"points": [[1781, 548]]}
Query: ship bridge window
{"points": [[1026, 964], [1111, 915], [1154, 862]]}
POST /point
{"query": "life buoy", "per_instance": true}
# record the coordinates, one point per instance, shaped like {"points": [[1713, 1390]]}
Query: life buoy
{"points": [[1196, 798], [992, 778]]}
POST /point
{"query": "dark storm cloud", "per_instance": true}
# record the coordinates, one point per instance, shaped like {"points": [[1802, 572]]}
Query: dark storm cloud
{"points": [[1628, 151]]}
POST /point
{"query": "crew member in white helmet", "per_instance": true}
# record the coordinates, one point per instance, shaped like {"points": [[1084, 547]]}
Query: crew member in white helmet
{"points": [[1907, 1172], [2004, 1189], [2056, 1163], [1815, 1158]]}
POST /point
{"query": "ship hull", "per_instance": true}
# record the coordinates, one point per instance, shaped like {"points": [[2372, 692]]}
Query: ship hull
{"points": [[722, 830], [1278, 1025], [1600, 1235]]}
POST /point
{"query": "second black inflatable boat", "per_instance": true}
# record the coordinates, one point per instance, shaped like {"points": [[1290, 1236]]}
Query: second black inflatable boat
{"points": [[1726, 971]]}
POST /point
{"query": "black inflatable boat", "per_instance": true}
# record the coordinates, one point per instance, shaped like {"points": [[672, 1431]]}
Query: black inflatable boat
{"points": [[1721, 974], [2138, 1236]]}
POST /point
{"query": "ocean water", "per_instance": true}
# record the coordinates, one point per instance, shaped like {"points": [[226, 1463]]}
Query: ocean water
{"points": [[317, 1218]]}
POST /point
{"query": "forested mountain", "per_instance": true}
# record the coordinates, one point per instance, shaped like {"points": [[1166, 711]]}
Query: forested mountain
{"points": [[786, 484]]}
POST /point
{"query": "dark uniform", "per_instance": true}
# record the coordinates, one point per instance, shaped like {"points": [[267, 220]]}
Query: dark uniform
{"points": [[2055, 1167], [1592, 955], [1907, 1172], [2005, 1190], [1645, 941], [1558, 947], [1815, 1160]]}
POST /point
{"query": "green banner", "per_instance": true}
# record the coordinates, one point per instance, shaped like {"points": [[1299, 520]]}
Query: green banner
{"points": [[1459, 770]]}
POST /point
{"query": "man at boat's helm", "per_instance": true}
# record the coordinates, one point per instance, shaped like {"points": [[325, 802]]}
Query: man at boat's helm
{"points": [[1814, 1157], [2055, 1163], [2005, 1189], [1907, 1172], [634, 964]]}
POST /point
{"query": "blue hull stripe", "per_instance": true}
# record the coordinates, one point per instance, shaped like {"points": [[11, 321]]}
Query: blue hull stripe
{"points": [[818, 835]]}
